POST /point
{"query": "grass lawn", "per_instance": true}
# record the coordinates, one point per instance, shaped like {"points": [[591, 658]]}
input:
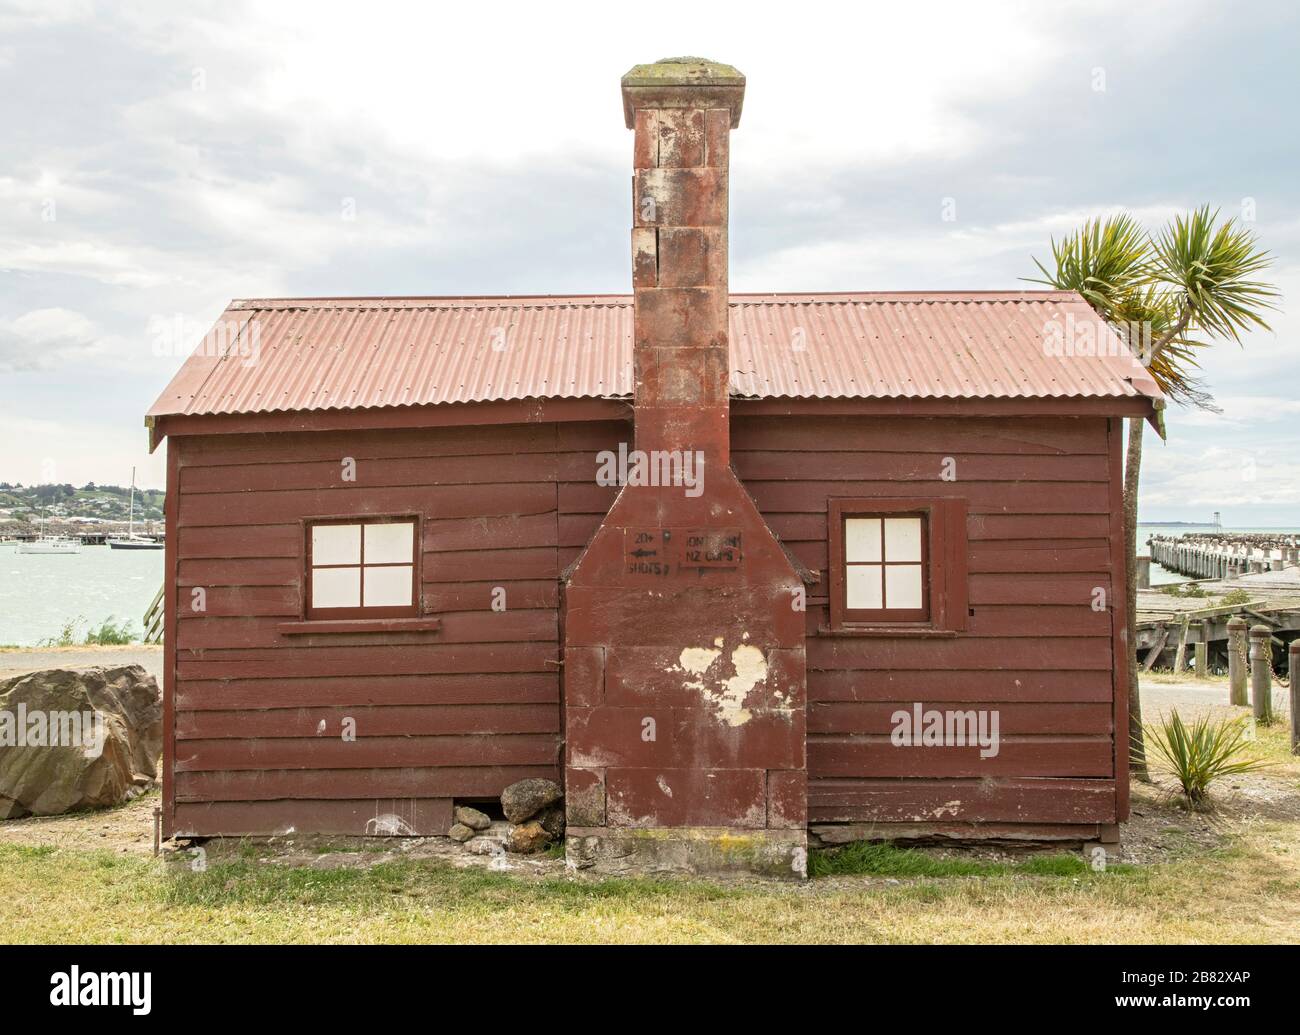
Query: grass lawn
{"points": [[1230, 877], [1246, 891]]}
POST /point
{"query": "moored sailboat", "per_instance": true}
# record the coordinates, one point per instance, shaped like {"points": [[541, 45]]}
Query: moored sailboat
{"points": [[131, 541]]}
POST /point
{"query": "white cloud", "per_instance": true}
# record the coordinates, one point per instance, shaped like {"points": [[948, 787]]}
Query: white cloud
{"points": [[900, 258], [45, 338]]}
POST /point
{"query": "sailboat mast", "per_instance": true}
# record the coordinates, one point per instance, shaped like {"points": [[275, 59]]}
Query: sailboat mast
{"points": [[130, 519]]}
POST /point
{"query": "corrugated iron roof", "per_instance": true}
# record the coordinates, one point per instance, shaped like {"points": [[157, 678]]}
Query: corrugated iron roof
{"points": [[293, 354]]}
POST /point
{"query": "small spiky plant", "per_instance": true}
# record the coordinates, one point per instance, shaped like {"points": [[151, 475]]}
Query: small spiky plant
{"points": [[1199, 754]]}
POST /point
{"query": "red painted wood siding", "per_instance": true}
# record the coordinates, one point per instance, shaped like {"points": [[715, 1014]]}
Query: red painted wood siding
{"points": [[456, 713], [1040, 496], [465, 710]]}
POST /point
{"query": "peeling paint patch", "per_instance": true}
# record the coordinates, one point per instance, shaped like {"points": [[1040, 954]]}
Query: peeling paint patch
{"points": [[696, 660], [727, 696], [751, 669], [663, 786]]}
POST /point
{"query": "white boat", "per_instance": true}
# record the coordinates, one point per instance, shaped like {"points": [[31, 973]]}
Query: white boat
{"points": [[131, 541], [51, 544]]}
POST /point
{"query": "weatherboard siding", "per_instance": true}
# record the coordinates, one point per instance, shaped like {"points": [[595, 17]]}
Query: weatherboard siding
{"points": [[465, 710], [459, 712], [1040, 497]]}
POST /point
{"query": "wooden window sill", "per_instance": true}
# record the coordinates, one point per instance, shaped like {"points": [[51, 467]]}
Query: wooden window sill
{"points": [[359, 625], [886, 630]]}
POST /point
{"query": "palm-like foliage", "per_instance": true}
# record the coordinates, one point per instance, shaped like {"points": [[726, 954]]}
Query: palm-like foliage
{"points": [[1208, 268], [1103, 260], [1200, 754], [1193, 276], [1148, 317]]}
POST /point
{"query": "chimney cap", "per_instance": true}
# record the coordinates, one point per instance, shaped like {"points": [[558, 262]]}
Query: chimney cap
{"points": [[681, 82]]}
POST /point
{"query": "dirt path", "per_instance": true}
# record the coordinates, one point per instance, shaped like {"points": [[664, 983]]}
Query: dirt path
{"points": [[126, 830], [16, 662], [1197, 697]]}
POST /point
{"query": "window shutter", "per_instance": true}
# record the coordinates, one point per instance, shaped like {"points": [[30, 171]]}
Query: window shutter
{"points": [[956, 589]]}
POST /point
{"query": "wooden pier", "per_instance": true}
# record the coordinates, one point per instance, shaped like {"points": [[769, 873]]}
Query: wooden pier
{"points": [[1224, 555], [1257, 573]]}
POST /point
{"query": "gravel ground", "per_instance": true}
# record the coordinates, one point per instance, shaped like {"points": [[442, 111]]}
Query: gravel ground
{"points": [[1195, 697]]}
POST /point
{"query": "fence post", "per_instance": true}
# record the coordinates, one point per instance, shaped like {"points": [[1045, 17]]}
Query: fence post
{"points": [[1293, 667], [1261, 673], [1180, 655], [1203, 651], [1237, 661]]}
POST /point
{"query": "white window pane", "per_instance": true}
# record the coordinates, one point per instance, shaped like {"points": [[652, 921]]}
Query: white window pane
{"points": [[336, 544], [903, 539], [862, 539], [863, 586], [389, 587], [903, 586], [336, 587], [391, 542]]}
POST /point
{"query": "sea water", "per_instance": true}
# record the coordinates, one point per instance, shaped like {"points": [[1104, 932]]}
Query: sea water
{"points": [[40, 593]]}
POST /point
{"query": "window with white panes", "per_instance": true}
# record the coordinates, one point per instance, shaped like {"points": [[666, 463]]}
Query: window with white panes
{"points": [[362, 569], [885, 559]]}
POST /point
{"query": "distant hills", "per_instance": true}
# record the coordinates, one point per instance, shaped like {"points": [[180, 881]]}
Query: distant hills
{"points": [[26, 505]]}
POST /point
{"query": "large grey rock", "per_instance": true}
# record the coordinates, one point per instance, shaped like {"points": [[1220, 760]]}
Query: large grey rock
{"points": [[472, 818], [460, 832], [524, 800], [77, 739]]}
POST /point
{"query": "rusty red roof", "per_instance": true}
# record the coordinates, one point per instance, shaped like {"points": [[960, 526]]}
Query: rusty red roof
{"points": [[292, 354]]}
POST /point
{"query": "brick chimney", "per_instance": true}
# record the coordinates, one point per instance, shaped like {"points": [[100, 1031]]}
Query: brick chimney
{"points": [[682, 112], [684, 671]]}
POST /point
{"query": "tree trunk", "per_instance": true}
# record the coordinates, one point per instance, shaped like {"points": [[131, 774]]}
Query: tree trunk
{"points": [[1132, 471]]}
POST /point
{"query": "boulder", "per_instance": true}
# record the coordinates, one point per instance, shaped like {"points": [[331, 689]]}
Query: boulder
{"points": [[460, 832], [523, 800], [472, 818], [528, 837], [77, 739], [552, 820]]}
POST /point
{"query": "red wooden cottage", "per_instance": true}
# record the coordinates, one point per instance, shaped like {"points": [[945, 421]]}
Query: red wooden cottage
{"points": [[734, 568]]}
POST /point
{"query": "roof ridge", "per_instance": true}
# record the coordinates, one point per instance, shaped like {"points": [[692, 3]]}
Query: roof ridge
{"points": [[737, 298]]}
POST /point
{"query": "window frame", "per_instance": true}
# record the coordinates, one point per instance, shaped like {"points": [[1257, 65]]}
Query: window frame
{"points": [[312, 613], [944, 566], [888, 615]]}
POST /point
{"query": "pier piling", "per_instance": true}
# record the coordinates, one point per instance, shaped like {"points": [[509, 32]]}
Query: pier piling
{"points": [[1237, 661], [1293, 670], [1261, 673]]}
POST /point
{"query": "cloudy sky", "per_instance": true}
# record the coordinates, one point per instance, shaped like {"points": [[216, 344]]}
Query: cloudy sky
{"points": [[160, 159]]}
